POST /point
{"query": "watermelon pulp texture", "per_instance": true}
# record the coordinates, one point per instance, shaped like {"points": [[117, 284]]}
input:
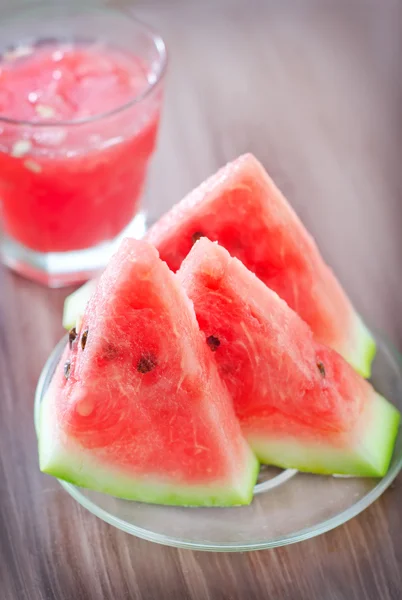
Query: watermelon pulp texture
{"points": [[137, 408], [242, 209], [299, 403]]}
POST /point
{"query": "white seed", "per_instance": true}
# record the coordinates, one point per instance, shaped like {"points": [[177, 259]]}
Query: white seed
{"points": [[45, 111], [85, 407], [33, 166], [18, 52], [20, 148]]}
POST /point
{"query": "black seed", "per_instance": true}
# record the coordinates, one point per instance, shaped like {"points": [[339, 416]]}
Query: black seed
{"points": [[84, 339], [67, 368], [146, 363], [72, 334], [196, 236], [213, 342], [321, 368]]}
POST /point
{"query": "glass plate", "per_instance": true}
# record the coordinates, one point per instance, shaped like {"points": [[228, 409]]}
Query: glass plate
{"points": [[288, 506]]}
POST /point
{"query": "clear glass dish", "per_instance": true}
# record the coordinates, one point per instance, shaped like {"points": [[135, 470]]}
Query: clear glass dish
{"points": [[288, 506]]}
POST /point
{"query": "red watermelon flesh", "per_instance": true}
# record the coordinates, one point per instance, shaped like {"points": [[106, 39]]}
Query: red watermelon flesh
{"points": [[136, 408], [299, 403], [242, 209]]}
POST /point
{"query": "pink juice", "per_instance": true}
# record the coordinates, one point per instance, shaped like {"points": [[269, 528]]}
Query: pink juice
{"points": [[74, 145]]}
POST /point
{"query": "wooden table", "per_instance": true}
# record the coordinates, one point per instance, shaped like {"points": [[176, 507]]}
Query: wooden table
{"points": [[314, 89]]}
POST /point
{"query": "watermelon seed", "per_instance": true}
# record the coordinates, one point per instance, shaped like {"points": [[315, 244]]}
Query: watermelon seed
{"points": [[196, 236], [213, 342], [321, 368], [146, 363], [67, 368], [72, 334], [84, 338]]}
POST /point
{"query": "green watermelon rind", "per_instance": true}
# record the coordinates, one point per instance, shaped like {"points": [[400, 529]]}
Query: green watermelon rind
{"points": [[362, 356], [75, 303], [80, 468], [368, 454]]}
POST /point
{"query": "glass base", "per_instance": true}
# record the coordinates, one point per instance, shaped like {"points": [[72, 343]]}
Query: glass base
{"points": [[60, 269]]}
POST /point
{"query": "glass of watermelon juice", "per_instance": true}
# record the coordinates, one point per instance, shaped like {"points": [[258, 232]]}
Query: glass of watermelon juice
{"points": [[80, 98]]}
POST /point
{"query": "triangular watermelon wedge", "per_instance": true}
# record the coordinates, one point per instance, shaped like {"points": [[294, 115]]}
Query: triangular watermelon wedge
{"points": [[242, 209], [299, 403], [136, 408]]}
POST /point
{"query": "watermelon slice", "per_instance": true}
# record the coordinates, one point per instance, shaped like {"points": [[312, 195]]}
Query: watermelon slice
{"points": [[242, 209], [299, 403], [136, 408]]}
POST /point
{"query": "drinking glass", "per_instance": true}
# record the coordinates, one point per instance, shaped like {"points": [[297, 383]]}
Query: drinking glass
{"points": [[70, 189]]}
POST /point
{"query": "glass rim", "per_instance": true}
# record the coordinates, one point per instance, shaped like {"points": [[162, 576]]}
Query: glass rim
{"points": [[157, 39]]}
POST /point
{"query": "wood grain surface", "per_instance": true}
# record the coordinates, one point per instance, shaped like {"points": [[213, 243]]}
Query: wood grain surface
{"points": [[314, 89]]}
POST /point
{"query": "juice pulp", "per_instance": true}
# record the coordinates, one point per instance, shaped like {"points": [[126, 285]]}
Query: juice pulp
{"points": [[71, 175]]}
